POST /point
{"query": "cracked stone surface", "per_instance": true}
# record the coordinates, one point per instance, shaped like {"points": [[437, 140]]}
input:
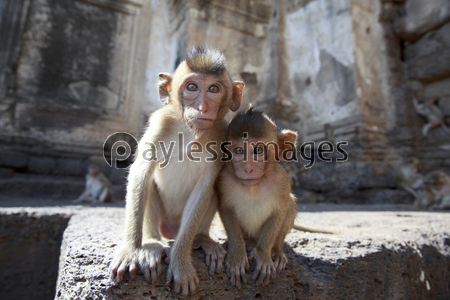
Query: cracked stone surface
{"points": [[398, 254]]}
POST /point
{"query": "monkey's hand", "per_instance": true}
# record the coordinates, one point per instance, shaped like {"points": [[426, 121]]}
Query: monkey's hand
{"points": [[147, 259], [236, 264], [183, 275], [265, 268], [213, 251], [280, 261]]}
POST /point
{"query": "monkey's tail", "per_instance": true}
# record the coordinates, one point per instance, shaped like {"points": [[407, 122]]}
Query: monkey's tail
{"points": [[307, 229]]}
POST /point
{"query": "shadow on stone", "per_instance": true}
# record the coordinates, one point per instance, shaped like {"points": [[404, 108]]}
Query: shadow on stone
{"points": [[29, 255]]}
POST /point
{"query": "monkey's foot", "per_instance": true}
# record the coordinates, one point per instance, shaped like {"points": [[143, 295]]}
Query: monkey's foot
{"points": [[183, 275], [236, 265], [146, 259], [280, 260], [213, 251], [265, 268]]}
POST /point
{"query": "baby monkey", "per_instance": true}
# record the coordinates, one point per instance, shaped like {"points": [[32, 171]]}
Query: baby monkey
{"points": [[256, 203]]}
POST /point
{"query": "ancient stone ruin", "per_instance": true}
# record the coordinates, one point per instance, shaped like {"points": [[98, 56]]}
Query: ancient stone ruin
{"points": [[74, 72]]}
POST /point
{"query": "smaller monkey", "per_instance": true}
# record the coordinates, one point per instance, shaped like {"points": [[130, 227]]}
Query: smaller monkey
{"points": [[256, 203], [407, 175], [433, 115], [98, 187], [439, 183]]}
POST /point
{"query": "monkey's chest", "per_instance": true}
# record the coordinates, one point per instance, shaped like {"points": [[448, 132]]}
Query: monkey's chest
{"points": [[253, 211], [175, 183], [96, 189]]}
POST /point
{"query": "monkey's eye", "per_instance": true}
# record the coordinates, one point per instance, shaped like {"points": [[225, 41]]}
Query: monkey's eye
{"points": [[258, 150], [239, 150], [192, 87], [214, 89]]}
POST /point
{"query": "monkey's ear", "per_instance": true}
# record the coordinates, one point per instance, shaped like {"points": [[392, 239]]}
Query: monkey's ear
{"points": [[287, 140], [165, 87], [237, 95]]}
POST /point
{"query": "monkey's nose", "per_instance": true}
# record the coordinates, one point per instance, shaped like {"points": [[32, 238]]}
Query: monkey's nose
{"points": [[203, 106], [248, 171]]}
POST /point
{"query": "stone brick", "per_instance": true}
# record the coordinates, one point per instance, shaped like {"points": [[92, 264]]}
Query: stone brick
{"points": [[13, 161], [438, 89], [70, 167], [429, 59], [41, 165], [420, 17]]}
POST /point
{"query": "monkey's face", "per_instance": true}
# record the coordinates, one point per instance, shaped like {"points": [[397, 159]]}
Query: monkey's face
{"points": [[249, 162], [202, 96], [94, 171]]}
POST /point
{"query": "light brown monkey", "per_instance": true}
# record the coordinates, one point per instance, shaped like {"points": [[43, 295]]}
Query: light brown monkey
{"points": [[407, 175], [98, 187], [170, 194], [440, 186], [433, 115], [256, 203]]}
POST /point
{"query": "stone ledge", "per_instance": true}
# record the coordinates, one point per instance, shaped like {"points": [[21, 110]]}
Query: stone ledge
{"points": [[377, 255]]}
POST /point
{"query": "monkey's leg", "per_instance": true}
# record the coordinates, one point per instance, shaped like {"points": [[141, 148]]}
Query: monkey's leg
{"points": [[236, 262], [214, 252], [280, 259], [105, 195], [181, 271], [410, 190], [265, 268], [83, 197], [426, 128]]}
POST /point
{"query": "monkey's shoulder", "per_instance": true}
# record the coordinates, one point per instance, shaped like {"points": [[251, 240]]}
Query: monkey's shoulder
{"points": [[164, 118]]}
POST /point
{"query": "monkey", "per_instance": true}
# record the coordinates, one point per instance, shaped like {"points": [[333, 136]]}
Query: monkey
{"points": [[98, 187], [174, 197], [433, 115], [255, 199], [407, 175], [439, 183]]}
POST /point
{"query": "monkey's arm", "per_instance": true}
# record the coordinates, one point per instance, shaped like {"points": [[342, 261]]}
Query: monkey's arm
{"points": [[236, 261], [132, 255], [85, 194], [418, 107], [180, 269]]}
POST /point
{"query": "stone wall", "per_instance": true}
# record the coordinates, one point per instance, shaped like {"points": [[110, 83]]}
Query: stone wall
{"points": [[71, 74]]}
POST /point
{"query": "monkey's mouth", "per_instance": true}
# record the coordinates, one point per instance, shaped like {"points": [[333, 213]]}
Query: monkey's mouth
{"points": [[250, 182], [204, 120]]}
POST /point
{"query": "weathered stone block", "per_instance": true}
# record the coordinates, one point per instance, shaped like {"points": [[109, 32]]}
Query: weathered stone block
{"points": [[376, 255], [13, 161], [41, 165], [69, 167], [29, 251], [420, 17], [35, 187], [429, 58], [438, 89], [6, 172]]}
